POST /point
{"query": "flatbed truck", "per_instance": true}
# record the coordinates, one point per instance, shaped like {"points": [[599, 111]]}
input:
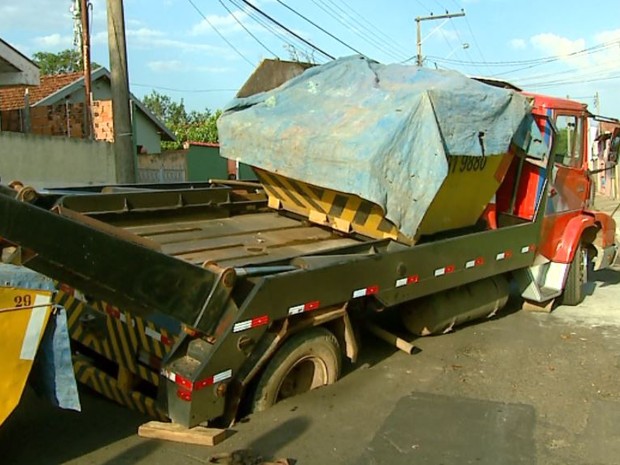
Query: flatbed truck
{"points": [[184, 301]]}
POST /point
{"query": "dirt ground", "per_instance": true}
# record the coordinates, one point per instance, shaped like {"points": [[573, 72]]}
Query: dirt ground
{"points": [[521, 388]]}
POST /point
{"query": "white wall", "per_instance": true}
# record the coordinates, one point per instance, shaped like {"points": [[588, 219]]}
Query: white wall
{"points": [[45, 161]]}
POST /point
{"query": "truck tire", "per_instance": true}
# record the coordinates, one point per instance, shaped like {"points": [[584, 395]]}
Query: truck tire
{"points": [[574, 291], [308, 360]]}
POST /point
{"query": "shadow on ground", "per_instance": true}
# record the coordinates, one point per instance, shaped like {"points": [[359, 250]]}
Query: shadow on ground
{"points": [[606, 277], [37, 432]]}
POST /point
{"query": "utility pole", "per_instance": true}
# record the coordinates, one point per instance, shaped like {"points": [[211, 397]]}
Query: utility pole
{"points": [[119, 81], [419, 20], [88, 118]]}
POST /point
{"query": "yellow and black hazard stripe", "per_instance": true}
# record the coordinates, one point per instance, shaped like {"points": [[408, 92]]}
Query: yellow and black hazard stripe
{"points": [[117, 336], [109, 387], [341, 211]]}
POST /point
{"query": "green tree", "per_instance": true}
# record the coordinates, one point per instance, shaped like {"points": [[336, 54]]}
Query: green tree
{"points": [[187, 126], [66, 61]]}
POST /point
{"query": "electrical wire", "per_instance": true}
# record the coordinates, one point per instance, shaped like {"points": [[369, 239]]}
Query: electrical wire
{"points": [[262, 13], [269, 27], [541, 60], [372, 29], [365, 32], [319, 27], [586, 76], [191, 91], [473, 36], [576, 81], [428, 10], [338, 17], [220, 34], [462, 42], [333, 9], [247, 30]]}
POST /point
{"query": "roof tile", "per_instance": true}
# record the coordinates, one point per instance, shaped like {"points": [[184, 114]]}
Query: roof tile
{"points": [[12, 98]]}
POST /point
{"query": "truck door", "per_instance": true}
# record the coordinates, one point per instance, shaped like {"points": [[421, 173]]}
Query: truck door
{"points": [[569, 183]]}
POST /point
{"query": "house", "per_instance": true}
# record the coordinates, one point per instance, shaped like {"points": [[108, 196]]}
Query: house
{"points": [[604, 157], [15, 68], [64, 93], [204, 162]]}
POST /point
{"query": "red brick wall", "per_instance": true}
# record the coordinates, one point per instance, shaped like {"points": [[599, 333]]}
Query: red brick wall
{"points": [[62, 120], [103, 126]]}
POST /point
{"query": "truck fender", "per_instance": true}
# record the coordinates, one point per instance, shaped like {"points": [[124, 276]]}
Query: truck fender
{"points": [[605, 244], [571, 237], [607, 234]]}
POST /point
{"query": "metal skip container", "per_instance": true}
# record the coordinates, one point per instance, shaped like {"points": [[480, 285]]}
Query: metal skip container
{"points": [[383, 150]]}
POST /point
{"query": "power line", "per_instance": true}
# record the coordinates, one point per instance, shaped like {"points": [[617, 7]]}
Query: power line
{"points": [[473, 36], [319, 27], [587, 51], [573, 78], [332, 12], [537, 61], [247, 30], [191, 91], [424, 6], [220, 34], [371, 29], [262, 13], [576, 81], [270, 27], [374, 38], [601, 68], [462, 41]]}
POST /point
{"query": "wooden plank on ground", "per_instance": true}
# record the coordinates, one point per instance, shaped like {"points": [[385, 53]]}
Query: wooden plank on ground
{"points": [[175, 432]]}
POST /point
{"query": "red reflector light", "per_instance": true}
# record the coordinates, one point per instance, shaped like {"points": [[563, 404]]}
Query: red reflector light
{"points": [[259, 321], [186, 383], [204, 383], [372, 290], [184, 395], [112, 311]]}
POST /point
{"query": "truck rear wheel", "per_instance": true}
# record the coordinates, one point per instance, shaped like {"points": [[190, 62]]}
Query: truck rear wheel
{"points": [[574, 291], [308, 360]]}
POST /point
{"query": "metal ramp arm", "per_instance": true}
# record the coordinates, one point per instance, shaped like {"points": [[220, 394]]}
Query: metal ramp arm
{"points": [[102, 264]]}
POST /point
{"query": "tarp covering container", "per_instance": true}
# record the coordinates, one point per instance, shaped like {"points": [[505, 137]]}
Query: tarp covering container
{"points": [[388, 134]]}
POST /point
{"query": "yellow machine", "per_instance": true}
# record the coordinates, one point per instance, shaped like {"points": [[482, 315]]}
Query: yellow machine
{"points": [[24, 314], [456, 205]]}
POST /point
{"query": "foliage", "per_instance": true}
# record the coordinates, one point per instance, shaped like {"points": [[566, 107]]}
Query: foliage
{"points": [[187, 126], [66, 61]]}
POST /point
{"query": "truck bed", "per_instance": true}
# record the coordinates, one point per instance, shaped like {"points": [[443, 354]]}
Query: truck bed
{"points": [[250, 239]]}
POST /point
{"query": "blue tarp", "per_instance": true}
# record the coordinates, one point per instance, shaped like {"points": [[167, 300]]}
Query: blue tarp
{"points": [[382, 132]]}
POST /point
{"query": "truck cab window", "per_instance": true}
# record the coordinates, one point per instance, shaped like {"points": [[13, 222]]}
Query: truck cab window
{"points": [[568, 140]]}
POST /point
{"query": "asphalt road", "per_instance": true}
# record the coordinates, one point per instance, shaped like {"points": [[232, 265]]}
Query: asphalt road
{"points": [[521, 388]]}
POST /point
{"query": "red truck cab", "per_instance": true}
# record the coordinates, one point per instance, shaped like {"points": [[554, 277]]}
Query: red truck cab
{"points": [[574, 238]]}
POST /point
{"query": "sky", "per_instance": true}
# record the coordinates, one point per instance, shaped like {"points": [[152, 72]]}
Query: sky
{"points": [[202, 51]]}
